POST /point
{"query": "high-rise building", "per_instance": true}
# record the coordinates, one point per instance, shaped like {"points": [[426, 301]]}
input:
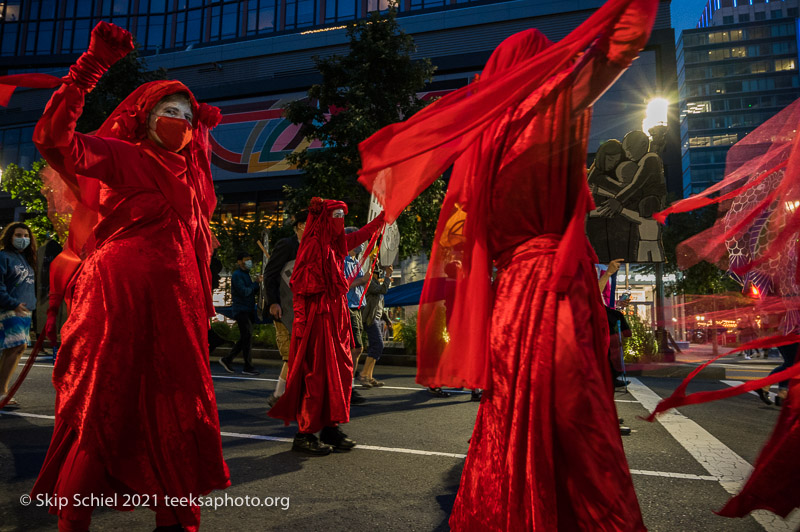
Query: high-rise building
{"points": [[250, 57], [735, 71]]}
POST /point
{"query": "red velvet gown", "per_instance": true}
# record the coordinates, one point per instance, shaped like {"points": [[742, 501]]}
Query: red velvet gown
{"points": [[320, 378], [135, 404], [545, 453]]}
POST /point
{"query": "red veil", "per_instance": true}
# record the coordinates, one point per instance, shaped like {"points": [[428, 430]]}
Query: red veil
{"points": [[754, 238], [402, 159]]}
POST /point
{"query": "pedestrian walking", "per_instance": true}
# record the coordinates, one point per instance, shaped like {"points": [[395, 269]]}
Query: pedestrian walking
{"points": [[373, 326], [243, 293]]}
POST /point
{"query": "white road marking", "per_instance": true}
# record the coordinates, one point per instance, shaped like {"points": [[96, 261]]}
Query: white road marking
{"points": [[737, 383], [730, 469], [396, 449]]}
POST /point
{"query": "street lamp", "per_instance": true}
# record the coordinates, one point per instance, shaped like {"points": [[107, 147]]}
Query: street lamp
{"points": [[655, 123]]}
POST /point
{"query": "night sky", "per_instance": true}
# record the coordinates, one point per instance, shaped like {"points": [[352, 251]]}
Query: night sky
{"points": [[685, 14]]}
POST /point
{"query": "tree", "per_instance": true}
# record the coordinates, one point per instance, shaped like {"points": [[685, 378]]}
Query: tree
{"points": [[26, 185], [374, 85], [703, 277]]}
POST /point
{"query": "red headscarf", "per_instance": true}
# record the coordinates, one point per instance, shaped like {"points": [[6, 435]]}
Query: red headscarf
{"points": [[318, 267], [191, 196]]}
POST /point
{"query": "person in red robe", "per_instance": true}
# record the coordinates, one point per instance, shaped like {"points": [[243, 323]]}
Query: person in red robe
{"points": [[320, 379], [135, 405], [545, 453]]}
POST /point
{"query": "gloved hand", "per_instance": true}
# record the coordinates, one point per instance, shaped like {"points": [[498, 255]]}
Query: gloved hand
{"points": [[109, 44]]}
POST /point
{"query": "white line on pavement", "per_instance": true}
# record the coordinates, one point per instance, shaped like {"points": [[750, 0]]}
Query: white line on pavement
{"points": [[719, 460], [737, 383]]}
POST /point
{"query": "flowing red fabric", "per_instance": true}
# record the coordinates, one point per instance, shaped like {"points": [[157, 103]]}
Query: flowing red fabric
{"points": [[517, 198], [133, 388], [755, 239], [320, 377], [401, 160]]}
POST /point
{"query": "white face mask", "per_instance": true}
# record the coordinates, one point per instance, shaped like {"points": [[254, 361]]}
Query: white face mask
{"points": [[248, 264], [21, 243]]}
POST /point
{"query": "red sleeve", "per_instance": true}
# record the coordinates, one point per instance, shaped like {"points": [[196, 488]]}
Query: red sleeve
{"points": [[67, 151], [365, 233]]}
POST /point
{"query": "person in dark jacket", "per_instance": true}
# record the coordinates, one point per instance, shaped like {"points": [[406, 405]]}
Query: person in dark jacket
{"points": [[371, 316], [243, 290], [17, 298], [279, 295]]}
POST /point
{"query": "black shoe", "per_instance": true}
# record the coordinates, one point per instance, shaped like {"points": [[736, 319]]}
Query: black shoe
{"points": [[438, 392], [764, 396], [476, 395], [621, 421], [170, 528], [619, 383], [356, 398], [624, 431], [250, 371], [226, 364], [778, 400], [309, 444], [337, 439]]}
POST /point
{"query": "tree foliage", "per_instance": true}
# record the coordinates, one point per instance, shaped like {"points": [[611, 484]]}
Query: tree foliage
{"points": [[236, 235], [25, 186], [374, 85]]}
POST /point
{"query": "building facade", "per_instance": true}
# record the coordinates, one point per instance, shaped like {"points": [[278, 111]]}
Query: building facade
{"points": [[250, 57], [735, 71]]}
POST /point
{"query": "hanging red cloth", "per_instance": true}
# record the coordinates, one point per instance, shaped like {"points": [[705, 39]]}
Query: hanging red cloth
{"points": [[320, 377], [546, 452], [134, 396], [755, 239]]}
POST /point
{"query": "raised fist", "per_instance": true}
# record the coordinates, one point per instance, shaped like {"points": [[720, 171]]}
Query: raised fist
{"points": [[110, 43]]}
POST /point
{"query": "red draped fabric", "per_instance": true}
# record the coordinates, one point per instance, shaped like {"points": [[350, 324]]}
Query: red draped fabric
{"points": [[320, 377], [755, 239], [540, 458], [133, 387]]}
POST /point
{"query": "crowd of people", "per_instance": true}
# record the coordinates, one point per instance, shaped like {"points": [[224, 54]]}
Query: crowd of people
{"points": [[135, 405]]}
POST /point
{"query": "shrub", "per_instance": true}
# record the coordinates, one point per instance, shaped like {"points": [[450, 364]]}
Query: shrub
{"points": [[408, 335], [642, 344]]}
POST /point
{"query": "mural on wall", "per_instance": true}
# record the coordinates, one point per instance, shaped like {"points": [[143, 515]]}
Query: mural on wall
{"points": [[254, 138], [627, 184]]}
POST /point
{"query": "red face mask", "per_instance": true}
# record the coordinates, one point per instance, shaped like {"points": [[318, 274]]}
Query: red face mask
{"points": [[174, 133]]}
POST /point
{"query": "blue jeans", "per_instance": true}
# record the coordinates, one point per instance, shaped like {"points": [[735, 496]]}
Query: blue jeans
{"points": [[375, 338], [788, 352]]}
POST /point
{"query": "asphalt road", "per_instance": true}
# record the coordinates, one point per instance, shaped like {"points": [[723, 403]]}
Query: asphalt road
{"points": [[404, 475]]}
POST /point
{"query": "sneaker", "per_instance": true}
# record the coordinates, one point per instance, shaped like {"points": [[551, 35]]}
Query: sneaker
{"points": [[226, 364], [748, 357], [337, 439], [271, 400], [624, 431], [438, 392], [356, 398], [363, 381], [250, 371], [476, 395], [763, 395], [376, 383], [309, 444]]}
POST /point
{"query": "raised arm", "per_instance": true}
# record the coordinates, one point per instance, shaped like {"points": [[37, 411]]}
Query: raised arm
{"points": [[365, 233], [611, 55], [64, 149]]}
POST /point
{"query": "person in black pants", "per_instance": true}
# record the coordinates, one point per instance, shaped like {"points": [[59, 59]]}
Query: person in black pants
{"points": [[243, 290]]}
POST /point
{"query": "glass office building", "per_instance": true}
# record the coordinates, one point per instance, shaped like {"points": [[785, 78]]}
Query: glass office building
{"points": [[735, 71]]}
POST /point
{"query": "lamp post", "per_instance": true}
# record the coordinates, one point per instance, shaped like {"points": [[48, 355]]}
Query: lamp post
{"points": [[655, 124]]}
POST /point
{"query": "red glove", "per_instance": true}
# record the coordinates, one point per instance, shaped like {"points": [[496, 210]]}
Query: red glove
{"points": [[109, 44]]}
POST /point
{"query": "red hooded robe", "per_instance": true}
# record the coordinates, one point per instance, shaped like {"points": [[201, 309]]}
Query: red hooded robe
{"points": [[320, 376], [546, 452], [135, 404]]}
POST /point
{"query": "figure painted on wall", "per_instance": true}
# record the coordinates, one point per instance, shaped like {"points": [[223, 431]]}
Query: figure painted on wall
{"points": [[628, 186]]}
